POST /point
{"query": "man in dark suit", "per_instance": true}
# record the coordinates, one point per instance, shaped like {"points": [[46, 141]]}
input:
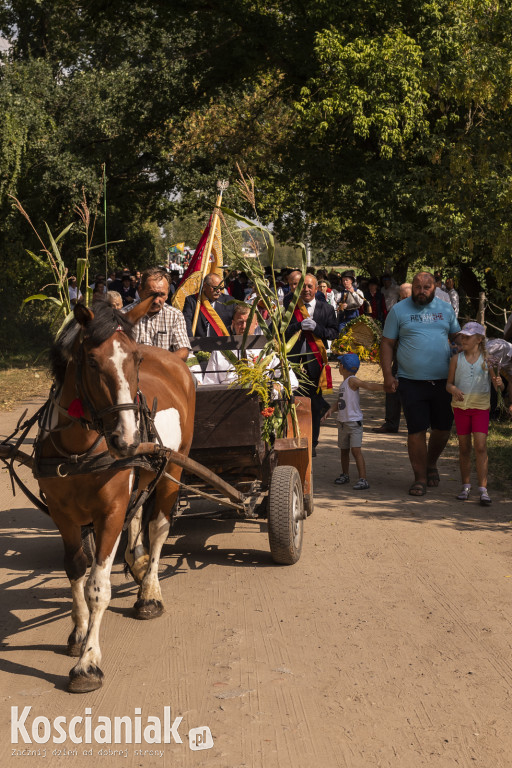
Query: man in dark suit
{"points": [[215, 314], [316, 320]]}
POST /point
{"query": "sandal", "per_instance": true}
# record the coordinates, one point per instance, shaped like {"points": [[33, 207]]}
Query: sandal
{"points": [[418, 489], [432, 477]]}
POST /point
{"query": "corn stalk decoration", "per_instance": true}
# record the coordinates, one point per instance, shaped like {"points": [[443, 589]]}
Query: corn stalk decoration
{"points": [[50, 259], [259, 376]]}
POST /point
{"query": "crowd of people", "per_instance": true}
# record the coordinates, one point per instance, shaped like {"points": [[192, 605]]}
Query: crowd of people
{"points": [[433, 370], [437, 372]]}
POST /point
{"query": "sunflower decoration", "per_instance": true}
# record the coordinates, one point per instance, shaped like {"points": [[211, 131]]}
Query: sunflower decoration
{"points": [[362, 336]]}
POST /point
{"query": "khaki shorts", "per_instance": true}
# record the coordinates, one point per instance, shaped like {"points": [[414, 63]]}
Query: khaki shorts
{"points": [[350, 434]]}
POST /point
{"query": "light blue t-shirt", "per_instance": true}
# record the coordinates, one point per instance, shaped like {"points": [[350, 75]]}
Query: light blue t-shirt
{"points": [[423, 349]]}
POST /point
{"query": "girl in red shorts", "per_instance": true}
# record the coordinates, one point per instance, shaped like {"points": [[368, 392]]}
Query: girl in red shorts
{"points": [[469, 381]]}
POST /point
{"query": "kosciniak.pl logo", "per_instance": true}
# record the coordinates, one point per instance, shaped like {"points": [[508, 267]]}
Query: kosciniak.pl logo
{"points": [[100, 729]]}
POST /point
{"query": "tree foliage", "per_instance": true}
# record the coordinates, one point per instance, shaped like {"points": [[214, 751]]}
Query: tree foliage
{"points": [[380, 132]]}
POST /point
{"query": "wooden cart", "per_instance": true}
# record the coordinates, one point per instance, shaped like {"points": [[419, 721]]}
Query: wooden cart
{"points": [[272, 482]]}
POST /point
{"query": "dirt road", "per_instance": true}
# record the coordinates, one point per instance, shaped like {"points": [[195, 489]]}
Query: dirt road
{"points": [[388, 644]]}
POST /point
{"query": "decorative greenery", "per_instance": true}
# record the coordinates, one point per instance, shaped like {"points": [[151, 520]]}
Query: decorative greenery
{"points": [[266, 300], [257, 376], [53, 262]]}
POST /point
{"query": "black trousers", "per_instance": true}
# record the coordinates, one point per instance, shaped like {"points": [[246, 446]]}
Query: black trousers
{"points": [[393, 402], [319, 407]]}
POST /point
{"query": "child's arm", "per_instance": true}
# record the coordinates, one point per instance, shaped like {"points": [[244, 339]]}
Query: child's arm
{"points": [[374, 386], [496, 379], [450, 386], [330, 412]]}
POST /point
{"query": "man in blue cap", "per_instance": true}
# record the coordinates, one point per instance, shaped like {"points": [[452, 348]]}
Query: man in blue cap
{"points": [[350, 419]]}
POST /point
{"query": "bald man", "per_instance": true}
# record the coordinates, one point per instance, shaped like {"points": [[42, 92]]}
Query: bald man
{"points": [[422, 325]]}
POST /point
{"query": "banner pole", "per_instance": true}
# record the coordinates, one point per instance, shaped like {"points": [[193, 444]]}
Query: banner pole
{"points": [[221, 185]]}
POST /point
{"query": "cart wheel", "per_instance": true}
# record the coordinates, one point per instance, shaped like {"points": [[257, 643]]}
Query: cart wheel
{"points": [[88, 543], [285, 515]]}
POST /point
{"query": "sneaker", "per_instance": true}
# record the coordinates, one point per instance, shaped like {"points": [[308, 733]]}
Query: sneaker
{"points": [[361, 485], [485, 501], [464, 494], [342, 479]]}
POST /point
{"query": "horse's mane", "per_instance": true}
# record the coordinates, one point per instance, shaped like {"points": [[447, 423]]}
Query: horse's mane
{"points": [[105, 322]]}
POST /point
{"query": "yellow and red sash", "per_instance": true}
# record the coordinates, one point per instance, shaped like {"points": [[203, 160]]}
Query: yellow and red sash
{"points": [[317, 347], [213, 318]]}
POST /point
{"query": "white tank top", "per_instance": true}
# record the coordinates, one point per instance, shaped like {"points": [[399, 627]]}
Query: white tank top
{"points": [[348, 403]]}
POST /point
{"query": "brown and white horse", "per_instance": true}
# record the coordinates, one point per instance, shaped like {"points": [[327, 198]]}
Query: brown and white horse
{"points": [[99, 369]]}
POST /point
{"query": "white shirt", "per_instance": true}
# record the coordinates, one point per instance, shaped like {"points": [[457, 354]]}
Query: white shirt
{"points": [[74, 293], [348, 403], [443, 295], [391, 295], [310, 308], [220, 370]]}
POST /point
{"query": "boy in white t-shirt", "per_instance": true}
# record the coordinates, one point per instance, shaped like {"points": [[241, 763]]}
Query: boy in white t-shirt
{"points": [[350, 419]]}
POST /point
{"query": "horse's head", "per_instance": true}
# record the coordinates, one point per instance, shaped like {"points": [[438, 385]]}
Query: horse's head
{"points": [[107, 364]]}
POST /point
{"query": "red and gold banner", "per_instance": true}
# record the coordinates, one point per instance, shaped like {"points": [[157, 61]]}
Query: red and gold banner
{"points": [[191, 280]]}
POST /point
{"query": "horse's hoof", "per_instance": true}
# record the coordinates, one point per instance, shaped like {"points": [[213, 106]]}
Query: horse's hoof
{"points": [[74, 644], [148, 609], [79, 682]]}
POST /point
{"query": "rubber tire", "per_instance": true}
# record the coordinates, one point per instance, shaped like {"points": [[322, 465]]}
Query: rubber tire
{"points": [[285, 515]]}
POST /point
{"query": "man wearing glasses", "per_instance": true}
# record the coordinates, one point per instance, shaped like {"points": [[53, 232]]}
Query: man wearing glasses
{"points": [[215, 313]]}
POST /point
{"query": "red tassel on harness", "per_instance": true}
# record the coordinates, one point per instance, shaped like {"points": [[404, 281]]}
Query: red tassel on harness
{"points": [[76, 409]]}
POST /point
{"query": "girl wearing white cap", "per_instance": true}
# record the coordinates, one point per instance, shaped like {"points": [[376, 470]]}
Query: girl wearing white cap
{"points": [[469, 382]]}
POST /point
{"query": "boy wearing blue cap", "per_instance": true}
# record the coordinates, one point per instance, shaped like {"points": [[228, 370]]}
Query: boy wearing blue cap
{"points": [[350, 419]]}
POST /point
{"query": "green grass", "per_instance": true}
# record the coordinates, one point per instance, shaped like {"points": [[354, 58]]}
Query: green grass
{"points": [[499, 449], [24, 357]]}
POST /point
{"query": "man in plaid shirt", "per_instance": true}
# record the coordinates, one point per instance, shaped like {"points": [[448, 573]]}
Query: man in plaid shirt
{"points": [[163, 326]]}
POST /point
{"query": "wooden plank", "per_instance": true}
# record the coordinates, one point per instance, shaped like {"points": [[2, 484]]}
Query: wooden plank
{"points": [[226, 417], [300, 458], [290, 443]]}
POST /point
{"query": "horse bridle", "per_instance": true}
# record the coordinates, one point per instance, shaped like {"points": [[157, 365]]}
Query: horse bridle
{"points": [[96, 421]]}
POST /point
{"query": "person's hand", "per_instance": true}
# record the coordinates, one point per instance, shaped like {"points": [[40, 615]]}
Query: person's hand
{"points": [[497, 381], [342, 305], [457, 394], [390, 383], [327, 414], [308, 324]]}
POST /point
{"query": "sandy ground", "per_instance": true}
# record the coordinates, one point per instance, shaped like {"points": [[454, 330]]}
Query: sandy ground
{"points": [[387, 644]]}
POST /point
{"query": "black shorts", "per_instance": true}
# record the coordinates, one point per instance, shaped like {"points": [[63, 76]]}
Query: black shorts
{"points": [[425, 404]]}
